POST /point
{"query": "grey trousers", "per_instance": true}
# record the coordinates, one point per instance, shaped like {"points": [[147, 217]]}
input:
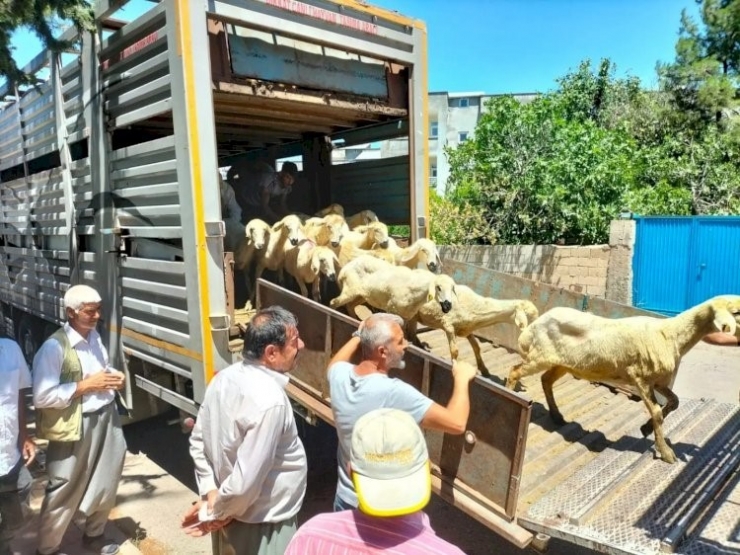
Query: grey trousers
{"points": [[14, 489], [84, 476], [263, 538]]}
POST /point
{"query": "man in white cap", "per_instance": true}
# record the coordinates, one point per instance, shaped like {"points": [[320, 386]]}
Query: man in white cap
{"points": [[74, 391], [389, 466]]}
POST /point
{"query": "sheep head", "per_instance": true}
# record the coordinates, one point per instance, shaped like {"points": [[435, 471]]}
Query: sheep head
{"points": [[726, 312], [291, 228], [333, 208], [324, 261], [368, 217], [257, 233], [426, 252], [442, 289], [336, 226], [376, 233]]}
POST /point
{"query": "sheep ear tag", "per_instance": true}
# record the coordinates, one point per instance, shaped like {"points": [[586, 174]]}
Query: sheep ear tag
{"points": [[430, 297]]}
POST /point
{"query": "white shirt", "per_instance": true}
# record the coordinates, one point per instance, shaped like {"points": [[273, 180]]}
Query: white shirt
{"points": [[245, 444], [47, 369], [14, 376]]}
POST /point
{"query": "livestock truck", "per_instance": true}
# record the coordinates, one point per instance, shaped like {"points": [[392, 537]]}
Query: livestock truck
{"points": [[108, 177]]}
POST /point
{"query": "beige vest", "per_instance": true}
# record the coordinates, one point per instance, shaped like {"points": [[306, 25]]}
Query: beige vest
{"points": [[63, 424]]}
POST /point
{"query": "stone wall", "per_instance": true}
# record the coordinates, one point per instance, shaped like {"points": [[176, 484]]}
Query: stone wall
{"points": [[579, 269], [598, 271]]}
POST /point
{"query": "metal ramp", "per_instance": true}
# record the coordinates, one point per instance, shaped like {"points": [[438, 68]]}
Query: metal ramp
{"points": [[627, 501]]}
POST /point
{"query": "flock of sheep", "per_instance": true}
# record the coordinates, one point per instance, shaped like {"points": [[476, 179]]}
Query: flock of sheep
{"points": [[370, 268]]}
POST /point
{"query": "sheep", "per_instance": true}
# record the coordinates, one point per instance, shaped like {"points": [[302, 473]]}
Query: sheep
{"points": [[307, 262], [284, 234], [257, 236], [363, 217], [639, 351], [348, 252], [422, 251], [394, 289], [325, 231], [333, 208], [367, 236], [470, 313]]}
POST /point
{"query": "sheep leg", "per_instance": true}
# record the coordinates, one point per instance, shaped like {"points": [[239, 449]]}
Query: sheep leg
{"points": [[257, 274], [411, 334], [452, 340], [670, 406], [315, 290], [646, 393], [302, 287], [478, 358], [521, 370], [548, 380]]}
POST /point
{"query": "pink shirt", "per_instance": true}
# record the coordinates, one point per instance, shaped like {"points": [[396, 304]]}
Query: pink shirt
{"points": [[352, 532]]}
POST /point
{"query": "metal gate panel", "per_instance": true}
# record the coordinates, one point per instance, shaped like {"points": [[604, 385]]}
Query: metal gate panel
{"points": [[715, 266], [659, 264], [682, 261]]}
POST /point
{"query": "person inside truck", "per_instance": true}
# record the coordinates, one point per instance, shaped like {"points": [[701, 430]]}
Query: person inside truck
{"points": [[261, 191], [74, 392], [357, 389], [389, 463], [17, 451], [250, 464], [231, 213]]}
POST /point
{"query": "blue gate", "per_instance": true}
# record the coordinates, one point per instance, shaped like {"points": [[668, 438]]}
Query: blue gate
{"points": [[682, 261]]}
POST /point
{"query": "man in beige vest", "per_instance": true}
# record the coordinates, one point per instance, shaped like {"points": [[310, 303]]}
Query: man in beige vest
{"points": [[74, 393]]}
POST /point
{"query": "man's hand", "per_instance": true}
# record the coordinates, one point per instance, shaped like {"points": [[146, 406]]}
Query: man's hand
{"points": [[28, 451], [464, 371], [101, 381], [193, 527]]}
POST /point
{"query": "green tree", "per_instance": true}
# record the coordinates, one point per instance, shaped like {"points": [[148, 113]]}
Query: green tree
{"points": [[551, 170], [43, 17], [703, 79]]}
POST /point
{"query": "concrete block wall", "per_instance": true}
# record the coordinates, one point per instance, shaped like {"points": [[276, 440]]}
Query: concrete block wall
{"points": [[603, 271], [579, 269]]}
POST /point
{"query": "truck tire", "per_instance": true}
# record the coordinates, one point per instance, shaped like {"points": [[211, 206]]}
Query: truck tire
{"points": [[28, 336]]}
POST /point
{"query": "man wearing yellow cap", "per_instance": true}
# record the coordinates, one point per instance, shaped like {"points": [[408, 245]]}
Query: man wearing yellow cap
{"points": [[389, 466]]}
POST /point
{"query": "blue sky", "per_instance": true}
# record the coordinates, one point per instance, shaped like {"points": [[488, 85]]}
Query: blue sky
{"points": [[508, 46]]}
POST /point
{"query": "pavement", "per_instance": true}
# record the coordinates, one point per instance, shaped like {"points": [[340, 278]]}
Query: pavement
{"points": [[151, 499]]}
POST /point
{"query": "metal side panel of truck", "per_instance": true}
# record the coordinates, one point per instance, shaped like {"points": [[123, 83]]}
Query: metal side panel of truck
{"points": [[108, 169], [594, 481]]}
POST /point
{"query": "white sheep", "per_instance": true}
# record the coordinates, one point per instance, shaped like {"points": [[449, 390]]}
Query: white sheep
{"points": [[257, 236], [307, 262], [325, 231], [470, 313], [348, 252], [364, 237], [333, 208], [395, 289], [639, 351], [420, 252], [285, 234], [363, 217]]}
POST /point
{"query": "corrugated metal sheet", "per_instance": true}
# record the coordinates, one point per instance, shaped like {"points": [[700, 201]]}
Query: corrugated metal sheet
{"points": [[682, 261], [378, 185]]}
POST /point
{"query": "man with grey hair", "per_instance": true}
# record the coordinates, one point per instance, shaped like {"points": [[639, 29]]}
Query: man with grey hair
{"points": [[250, 464], [74, 391], [358, 389]]}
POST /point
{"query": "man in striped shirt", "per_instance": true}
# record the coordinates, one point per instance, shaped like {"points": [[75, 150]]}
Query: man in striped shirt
{"points": [[389, 466]]}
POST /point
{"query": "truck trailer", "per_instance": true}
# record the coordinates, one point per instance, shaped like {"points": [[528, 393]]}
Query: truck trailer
{"points": [[108, 176]]}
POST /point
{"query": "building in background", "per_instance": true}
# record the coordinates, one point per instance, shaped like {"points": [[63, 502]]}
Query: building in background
{"points": [[452, 120]]}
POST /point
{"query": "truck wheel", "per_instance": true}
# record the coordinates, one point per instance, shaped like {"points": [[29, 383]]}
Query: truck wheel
{"points": [[27, 335]]}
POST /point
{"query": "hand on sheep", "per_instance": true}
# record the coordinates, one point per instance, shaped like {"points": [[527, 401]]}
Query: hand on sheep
{"points": [[464, 371]]}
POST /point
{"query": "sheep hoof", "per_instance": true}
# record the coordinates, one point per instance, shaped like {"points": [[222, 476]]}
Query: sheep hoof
{"points": [[557, 418], [669, 457]]}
